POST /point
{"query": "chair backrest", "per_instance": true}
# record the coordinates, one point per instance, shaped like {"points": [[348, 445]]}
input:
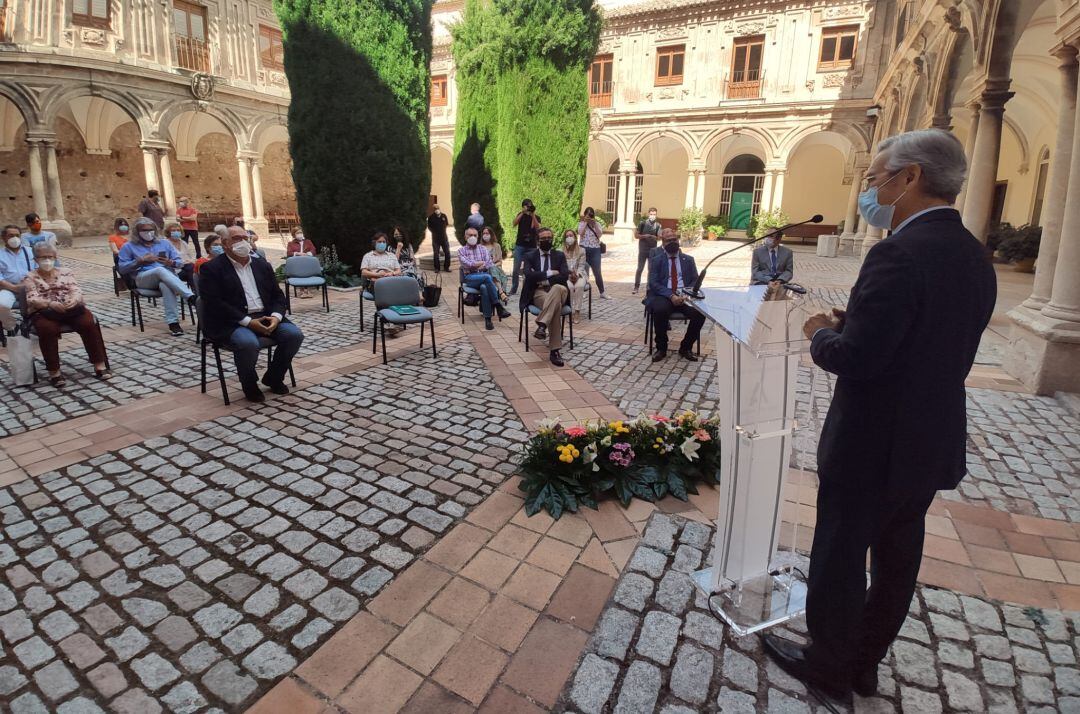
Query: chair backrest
{"points": [[397, 290], [302, 266]]}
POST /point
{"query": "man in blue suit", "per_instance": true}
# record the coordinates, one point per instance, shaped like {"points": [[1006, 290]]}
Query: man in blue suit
{"points": [[669, 272]]}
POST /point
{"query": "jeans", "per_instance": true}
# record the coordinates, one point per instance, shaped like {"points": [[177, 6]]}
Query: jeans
{"points": [[642, 261], [592, 257], [170, 285], [519, 256], [489, 293], [287, 339], [193, 236], [440, 243]]}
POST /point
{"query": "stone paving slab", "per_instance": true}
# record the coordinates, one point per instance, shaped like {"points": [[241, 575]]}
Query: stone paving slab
{"points": [[657, 647]]}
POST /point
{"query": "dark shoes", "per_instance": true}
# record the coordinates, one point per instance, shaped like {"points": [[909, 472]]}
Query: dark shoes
{"points": [[488, 325], [503, 312], [792, 659], [659, 355], [175, 329], [253, 394], [865, 682], [556, 358], [278, 388], [688, 354], [192, 299], [541, 332]]}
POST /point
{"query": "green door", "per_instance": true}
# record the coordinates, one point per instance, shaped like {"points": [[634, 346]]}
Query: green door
{"points": [[742, 206]]}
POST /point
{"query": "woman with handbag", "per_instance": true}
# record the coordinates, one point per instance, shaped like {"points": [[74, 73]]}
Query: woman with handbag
{"points": [[54, 301], [487, 239], [589, 232]]}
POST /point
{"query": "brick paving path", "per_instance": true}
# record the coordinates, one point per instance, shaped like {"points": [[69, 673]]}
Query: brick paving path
{"points": [[479, 606]]}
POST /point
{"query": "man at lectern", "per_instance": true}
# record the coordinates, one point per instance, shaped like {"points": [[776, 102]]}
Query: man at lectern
{"points": [[896, 429]]}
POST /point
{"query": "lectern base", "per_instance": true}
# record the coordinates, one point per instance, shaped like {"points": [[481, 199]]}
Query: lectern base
{"points": [[756, 603]]}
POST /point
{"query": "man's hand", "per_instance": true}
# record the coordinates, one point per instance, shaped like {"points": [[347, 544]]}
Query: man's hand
{"points": [[270, 323], [839, 318], [258, 327], [774, 284], [817, 322], [677, 299]]}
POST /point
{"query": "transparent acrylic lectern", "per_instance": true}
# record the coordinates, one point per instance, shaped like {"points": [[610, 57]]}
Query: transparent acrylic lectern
{"points": [[753, 582]]}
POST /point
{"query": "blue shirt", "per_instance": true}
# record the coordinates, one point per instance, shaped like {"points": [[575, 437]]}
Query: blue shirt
{"points": [[32, 239], [131, 252], [15, 265]]}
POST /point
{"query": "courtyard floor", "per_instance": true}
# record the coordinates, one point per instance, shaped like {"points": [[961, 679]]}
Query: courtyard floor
{"points": [[360, 544]]}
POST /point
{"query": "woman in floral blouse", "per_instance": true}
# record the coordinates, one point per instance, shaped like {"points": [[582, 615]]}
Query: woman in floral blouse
{"points": [[54, 301], [405, 256]]}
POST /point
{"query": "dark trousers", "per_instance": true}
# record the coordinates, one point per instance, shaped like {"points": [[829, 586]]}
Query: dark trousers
{"points": [[287, 339], [851, 626], [519, 257], [642, 261], [193, 236], [662, 309], [592, 257], [48, 329], [441, 243]]}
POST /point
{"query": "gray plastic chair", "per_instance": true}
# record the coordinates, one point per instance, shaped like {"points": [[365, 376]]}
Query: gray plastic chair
{"points": [[304, 271], [399, 290]]}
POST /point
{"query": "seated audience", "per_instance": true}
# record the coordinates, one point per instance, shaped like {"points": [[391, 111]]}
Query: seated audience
{"points": [[489, 241], [476, 263], [577, 263], [669, 273], [772, 263], [152, 261], [546, 275], [241, 302], [212, 245], [380, 263], [16, 260], [34, 233], [407, 257], [121, 231], [175, 235], [53, 302], [299, 245]]}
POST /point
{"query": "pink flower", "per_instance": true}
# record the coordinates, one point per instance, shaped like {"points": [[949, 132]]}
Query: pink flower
{"points": [[702, 435], [575, 431], [661, 419]]}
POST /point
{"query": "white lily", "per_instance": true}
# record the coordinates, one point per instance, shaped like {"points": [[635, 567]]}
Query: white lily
{"points": [[589, 457], [690, 448]]}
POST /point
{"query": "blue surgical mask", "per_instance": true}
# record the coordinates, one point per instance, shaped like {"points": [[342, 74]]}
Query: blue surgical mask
{"points": [[877, 215], [216, 250], [176, 234], [380, 246]]}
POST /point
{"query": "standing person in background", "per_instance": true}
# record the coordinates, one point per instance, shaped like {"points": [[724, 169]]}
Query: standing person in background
{"points": [[121, 233], [647, 233], [150, 207], [189, 222], [528, 223], [489, 241], [437, 223], [299, 245], [578, 264], [34, 233], [589, 232], [475, 220]]}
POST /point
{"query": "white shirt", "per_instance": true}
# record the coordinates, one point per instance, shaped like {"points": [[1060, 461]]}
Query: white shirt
{"points": [[912, 217], [251, 290]]}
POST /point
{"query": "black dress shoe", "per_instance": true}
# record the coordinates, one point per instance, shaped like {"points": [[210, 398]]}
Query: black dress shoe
{"points": [[541, 333], [503, 312], [175, 329], [688, 354], [488, 325], [865, 682], [556, 358], [659, 355], [253, 394], [792, 659]]}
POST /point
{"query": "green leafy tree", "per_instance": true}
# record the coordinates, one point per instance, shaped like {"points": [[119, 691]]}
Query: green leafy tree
{"points": [[359, 76]]}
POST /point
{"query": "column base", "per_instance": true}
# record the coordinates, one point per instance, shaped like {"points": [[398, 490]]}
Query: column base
{"points": [[1043, 353], [624, 233], [62, 229], [848, 245], [869, 242], [260, 225]]}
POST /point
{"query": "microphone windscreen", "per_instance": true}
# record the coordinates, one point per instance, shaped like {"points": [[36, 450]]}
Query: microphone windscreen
{"points": [[817, 218]]}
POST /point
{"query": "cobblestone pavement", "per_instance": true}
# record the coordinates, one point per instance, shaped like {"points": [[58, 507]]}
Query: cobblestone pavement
{"points": [[658, 648], [195, 569]]}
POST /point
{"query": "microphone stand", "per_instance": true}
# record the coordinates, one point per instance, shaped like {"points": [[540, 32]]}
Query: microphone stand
{"points": [[696, 291]]}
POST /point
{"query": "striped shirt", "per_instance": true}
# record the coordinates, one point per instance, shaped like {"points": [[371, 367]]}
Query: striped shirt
{"points": [[470, 255]]}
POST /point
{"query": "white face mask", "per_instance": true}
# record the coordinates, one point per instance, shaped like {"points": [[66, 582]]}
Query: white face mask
{"points": [[770, 243], [242, 249], [14, 242], [471, 240], [147, 236], [46, 264], [652, 218], [487, 238], [300, 237], [570, 240]]}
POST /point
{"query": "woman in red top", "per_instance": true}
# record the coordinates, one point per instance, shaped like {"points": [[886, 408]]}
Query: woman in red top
{"points": [[189, 222], [299, 245], [121, 231]]}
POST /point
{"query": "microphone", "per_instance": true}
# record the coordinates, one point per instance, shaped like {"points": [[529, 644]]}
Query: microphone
{"points": [[818, 218], [795, 288]]}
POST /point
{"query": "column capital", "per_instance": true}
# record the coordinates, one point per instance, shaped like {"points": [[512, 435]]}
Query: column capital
{"points": [[246, 155], [154, 146], [942, 121], [40, 137], [993, 100], [696, 165], [627, 167], [1066, 55]]}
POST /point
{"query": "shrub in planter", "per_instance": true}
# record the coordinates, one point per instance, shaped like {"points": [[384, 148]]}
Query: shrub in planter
{"points": [[716, 230], [337, 273], [604, 218], [565, 468], [1020, 245], [766, 221]]}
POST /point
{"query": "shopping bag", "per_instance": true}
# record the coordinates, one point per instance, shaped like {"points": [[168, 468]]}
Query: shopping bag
{"points": [[432, 289], [21, 359]]}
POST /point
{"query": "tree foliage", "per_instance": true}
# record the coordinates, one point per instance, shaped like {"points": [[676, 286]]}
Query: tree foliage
{"points": [[522, 65], [359, 76]]}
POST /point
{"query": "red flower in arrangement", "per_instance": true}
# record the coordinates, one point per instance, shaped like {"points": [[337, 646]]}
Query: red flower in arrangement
{"points": [[661, 419], [702, 435], [575, 431]]}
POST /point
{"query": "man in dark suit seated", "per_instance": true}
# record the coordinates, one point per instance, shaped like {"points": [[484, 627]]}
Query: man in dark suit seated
{"points": [[241, 302], [669, 272], [546, 274], [772, 263], [896, 429]]}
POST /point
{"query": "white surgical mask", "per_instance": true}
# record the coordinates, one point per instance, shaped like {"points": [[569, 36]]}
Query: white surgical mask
{"points": [[652, 218], [877, 215], [217, 249], [471, 240], [487, 238], [242, 249], [570, 240], [147, 236], [300, 237], [46, 264], [14, 242]]}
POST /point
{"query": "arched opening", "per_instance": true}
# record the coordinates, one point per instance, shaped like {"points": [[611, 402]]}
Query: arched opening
{"points": [[611, 202], [279, 193], [442, 166], [204, 167], [663, 166], [741, 190], [602, 155], [819, 160], [15, 192]]}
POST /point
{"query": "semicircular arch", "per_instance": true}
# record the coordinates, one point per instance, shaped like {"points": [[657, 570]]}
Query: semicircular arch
{"points": [[167, 112], [768, 143], [59, 98], [633, 153]]}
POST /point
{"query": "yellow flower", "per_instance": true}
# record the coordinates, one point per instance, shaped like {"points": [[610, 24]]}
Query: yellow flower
{"points": [[618, 428], [567, 453]]}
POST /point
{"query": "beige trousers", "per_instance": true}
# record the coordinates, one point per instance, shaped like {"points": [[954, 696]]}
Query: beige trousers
{"points": [[550, 300]]}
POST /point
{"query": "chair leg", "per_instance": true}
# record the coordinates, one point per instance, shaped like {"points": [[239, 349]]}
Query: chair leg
{"points": [[132, 300], [433, 352], [461, 304], [525, 323], [288, 299], [292, 375], [326, 296], [571, 333], [590, 303], [221, 375], [138, 307], [421, 335], [382, 331], [375, 334], [361, 294], [203, 344]]}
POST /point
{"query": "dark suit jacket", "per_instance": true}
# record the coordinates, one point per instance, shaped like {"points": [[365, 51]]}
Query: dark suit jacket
{"points": [[660, 274], [898, 424], [534, 276], [222, 295], [761, 267]]}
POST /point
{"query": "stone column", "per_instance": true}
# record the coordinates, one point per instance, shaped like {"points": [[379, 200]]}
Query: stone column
{"points": [[168, 192], [37, 180], [52, 174], [969, 151], [245, 187], [778, 188], [150, 167], [1064, 305], [691, 188], [624, 215], [620, 203], [851, 217], [982, 176], [631, 197], [873, 237], [1057, 184], [767, 190], [256, 185], [699, 191]]}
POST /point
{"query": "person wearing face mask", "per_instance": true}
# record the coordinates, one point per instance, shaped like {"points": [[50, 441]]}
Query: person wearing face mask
{"points": [[437, 223], [150, 207], [648, 232], [189, 223], [489, 241], [213, 247], [120, 234], [546, 275], [670, 272], [35, 234], [406, 257], [772, 263], [300, 245], [241, 303], [153, 261], [577, 262], [175, 235], [475, 261], [380, 263], [54, 302], [528, 227], [896, 429], [16, 260], [589, 235]]}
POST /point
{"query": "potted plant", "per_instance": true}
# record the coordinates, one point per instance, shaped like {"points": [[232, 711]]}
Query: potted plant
{"points": [[339, 276], [1021, 247], [690, 225], [766, 221], [716, 227]]}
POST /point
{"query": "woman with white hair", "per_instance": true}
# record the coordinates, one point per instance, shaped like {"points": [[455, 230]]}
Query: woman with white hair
{"points": [[152, 261]]}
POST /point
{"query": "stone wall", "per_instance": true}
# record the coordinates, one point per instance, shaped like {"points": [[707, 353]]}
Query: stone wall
{"points": [[16, 199], [279, 194], [212, 181]]}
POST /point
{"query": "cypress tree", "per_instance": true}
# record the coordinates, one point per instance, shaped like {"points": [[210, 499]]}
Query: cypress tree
{"points": [[359, 74]]}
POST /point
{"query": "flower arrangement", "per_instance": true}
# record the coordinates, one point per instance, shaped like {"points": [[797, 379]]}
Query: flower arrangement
{"points": [[650, 457]]}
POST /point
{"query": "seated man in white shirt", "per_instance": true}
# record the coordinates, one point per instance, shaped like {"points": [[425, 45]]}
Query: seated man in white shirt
{"points": [[241, 302]]}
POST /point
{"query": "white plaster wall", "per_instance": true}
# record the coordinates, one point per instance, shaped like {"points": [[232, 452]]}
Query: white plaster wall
{"points": [[814, 184]]}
